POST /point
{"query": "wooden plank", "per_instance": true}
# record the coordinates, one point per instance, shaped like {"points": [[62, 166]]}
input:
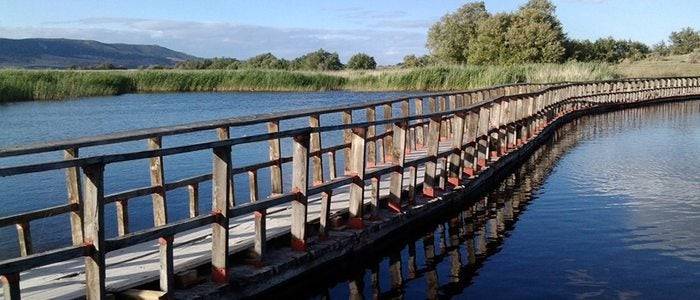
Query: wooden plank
{"points": [[458, 123], [371, 133], [398, 154], [357, 170], [122, 210], [10, 286], [347, 136], [331, 165], [470, 134], [37, 214], [223, 133], [420, 131], [300, 187], [167, 267], [221, 180], [389, 138], [160, 213], [259, 218], [135, 294], [317, 157], [494, 119], [93, 230], [430, 182], [24, 238], [74, 194], [275, 154], [193, 193], [325, 214], [482, 139]]}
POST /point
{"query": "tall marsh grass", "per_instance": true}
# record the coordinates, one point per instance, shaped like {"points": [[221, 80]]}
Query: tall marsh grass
{"points": [[23, 85]]}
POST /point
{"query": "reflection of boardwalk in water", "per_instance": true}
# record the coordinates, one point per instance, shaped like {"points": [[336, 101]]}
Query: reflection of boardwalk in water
{"points": [[463, 242]]}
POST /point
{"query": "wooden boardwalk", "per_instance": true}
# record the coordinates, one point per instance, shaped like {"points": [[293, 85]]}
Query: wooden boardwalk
{"points": [[406, 147], [132, 266]]}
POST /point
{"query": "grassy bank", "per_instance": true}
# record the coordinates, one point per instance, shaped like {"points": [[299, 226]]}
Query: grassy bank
{"points": [[24, 85]]}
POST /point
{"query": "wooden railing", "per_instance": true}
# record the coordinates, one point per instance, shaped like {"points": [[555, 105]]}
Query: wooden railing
{"points": [[482, 125]]}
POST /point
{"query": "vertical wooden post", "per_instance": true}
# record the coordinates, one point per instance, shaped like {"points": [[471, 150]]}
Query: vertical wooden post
{"points": [[482, 139], [193, 192], [502, 132], [74, 194], [275, 154], [357, 170], [430, 182], [347, 137], [374, 197], [315, 147], [10, 286], [420, 131], [444, 128], [371, 133], [259, 217], [494, 119], [325, 214], [160, 217], [388, 138], [221, 180], [300, 166], [412, 182], [331, 165], [122, 206], [458, 123], [93, 230], [472, 121], [223, 133], [398, 154], [25, 238]]}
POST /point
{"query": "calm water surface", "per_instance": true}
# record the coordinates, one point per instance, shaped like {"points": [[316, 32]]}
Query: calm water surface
{"points": [[609, 209]]}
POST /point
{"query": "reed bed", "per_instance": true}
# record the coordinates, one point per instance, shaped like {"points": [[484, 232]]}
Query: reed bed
{"points": [[27, 85]]}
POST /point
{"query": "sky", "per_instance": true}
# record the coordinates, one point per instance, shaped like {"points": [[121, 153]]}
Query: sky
{"points": [[385, 29]]}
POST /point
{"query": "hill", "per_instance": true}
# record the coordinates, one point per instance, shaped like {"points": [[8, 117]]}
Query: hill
{"points": [[64, 53]]}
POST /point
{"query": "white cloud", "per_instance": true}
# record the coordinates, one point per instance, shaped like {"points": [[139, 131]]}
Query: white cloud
{"points": [[208, 39]]}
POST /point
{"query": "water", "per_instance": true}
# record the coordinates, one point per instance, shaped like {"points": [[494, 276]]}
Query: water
{"points": [[29, 122], [609, 209]]}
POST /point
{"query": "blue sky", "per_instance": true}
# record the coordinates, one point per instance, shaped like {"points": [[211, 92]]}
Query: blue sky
{"points": [[386, 29]]}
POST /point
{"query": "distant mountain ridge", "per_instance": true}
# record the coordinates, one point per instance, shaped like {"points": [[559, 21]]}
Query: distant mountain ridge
{"points": [[65, 53]]}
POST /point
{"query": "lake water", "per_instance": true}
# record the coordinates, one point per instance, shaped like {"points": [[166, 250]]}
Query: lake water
{"points": [[609, 209]]}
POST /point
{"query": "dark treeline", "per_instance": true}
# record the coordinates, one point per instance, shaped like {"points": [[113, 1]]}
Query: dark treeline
{"points": [[320, 60]]}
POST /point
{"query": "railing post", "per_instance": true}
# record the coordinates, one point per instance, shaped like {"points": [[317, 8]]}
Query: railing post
{"points": [[430, 182], [193, 193], [398, 154], [317, 157], [300, 167], [74, 194], [494, 119], [223, 133], [122, 208], [24, 237], [160, 217], [388, 138], [93, 229], [275, 154], [472, 122], [347, 137], [482, 145], [259, 217], [420, 130], [371, 133], [10, 286], [458, 123], [357, 170], [221, 180]]}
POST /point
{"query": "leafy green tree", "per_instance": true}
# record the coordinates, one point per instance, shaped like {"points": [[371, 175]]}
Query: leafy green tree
{"points": [[449, 39], [661, 49], [684, 41], [266, 61], [490, 45], [535, 34], [413, 61], [361, 61], [320, 60]]}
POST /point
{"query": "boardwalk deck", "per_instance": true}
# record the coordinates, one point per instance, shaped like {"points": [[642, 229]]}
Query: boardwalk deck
{"points": [[132, 266]]}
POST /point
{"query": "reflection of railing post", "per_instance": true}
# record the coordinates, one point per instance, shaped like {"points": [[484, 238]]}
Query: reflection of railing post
{"points": [[357, 171], [300, 187], [93, 222]]}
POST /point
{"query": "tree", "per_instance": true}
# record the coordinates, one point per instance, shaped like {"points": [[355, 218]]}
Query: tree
{"points": [[449, 39], [684, 41], [266, 61], [361, 61], [412, 61], [661, 49], [535, 34], [320, 60], [490, 45]]}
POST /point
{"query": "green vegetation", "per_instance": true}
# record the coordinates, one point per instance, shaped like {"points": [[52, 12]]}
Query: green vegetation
{"points": [[361, 61], [22, 85]]}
